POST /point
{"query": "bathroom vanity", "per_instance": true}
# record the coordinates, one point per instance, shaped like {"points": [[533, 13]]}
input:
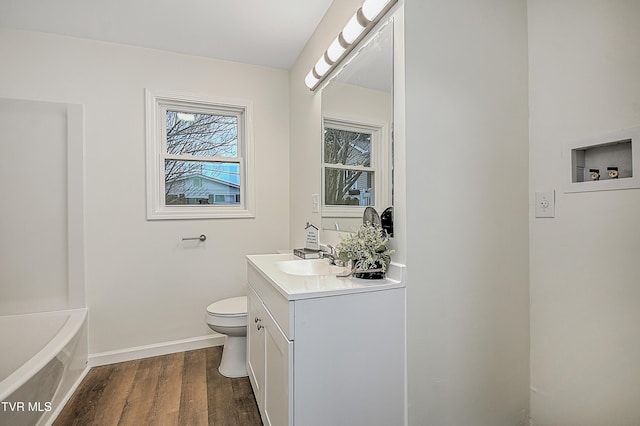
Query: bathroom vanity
{"points": [[325, 350]]}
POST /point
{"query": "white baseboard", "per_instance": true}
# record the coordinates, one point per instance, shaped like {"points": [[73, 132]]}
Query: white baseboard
{"points": [[139, 352]]}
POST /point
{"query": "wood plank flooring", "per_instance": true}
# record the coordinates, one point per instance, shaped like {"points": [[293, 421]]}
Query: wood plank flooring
{"points": [[177, 389]]}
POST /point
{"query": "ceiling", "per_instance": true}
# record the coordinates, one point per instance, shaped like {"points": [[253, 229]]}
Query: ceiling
{"points": [[262, 32]]}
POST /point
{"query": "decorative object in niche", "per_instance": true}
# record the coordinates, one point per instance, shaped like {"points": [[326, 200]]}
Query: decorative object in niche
{"points": [[616, 152], [595, 158], [367, 251]]}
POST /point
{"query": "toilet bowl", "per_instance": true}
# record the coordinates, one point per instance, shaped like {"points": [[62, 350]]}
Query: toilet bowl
{"points": [[229, 317]]}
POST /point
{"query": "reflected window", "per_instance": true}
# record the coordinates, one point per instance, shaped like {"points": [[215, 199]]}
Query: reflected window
{"points": [[348, 163]]}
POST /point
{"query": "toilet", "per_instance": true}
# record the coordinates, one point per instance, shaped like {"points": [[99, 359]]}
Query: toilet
{"points": [[229, 317]]}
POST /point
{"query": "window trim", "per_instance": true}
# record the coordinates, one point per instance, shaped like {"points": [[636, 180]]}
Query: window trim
{"points": [[379, 164], [157, 101]]}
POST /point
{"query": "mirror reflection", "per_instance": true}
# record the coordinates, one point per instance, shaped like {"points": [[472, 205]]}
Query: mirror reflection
{"points": [[357, 144], [348, 172]]}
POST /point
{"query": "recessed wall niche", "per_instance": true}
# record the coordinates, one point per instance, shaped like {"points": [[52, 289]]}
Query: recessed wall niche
{"points": [[604, 162]]}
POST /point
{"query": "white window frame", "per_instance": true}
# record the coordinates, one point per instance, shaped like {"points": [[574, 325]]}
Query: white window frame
{"points": [[157, 102], [380, 165]]}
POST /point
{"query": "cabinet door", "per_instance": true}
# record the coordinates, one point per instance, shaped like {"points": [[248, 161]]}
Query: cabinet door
{"points": [[256, 347], [278, 395]]}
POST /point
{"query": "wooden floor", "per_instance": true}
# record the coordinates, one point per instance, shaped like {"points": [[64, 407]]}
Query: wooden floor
{"points": [[178, 389]]}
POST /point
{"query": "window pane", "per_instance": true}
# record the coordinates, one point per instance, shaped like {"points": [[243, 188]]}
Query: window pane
{"points": [[200, 182], [348, 187], [347, 147], [201, 134]]}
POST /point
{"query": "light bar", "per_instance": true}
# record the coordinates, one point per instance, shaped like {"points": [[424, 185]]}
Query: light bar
{"points": [[353, 29], [372, 8], [336, 49], [356, 28], [323, 65]]}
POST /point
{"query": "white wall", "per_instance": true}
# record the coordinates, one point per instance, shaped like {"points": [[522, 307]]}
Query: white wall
{"points": [[33, 184], [585, 275], [467, 212], [143, 285]]}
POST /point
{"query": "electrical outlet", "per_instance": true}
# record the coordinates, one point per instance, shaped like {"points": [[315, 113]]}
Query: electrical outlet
{"points": [[546, 204], [315, 203]]}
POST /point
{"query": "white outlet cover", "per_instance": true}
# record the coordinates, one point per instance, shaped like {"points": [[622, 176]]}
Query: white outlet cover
{"points": [[545, 204]]}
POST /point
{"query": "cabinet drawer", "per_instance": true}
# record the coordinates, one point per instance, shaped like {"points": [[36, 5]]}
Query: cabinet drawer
{"points": [[280, 308]]}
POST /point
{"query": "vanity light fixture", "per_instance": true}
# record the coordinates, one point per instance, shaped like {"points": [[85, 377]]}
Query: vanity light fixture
{"points": [[354, 27], [358, 26]]}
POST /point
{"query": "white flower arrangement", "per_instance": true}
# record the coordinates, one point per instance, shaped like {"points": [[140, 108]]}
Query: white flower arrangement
{"points": [[366, 248]]}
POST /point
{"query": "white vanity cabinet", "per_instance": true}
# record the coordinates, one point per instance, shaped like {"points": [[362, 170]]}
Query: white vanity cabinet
{"points": [[324, 350], [268, 364]]}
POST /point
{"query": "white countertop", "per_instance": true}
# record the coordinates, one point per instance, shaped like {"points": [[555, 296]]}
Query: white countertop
{"points": [[295, 287]]}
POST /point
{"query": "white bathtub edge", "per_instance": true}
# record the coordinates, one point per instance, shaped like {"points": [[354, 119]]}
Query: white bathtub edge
{"points": [[68, 331], [157, 349], [59, 407]]}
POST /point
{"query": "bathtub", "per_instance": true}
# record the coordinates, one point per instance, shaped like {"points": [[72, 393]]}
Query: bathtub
{"points": [[43, 357]]}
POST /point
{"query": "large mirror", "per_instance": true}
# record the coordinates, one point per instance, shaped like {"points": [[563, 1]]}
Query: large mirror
{"points": [[357, 141]]}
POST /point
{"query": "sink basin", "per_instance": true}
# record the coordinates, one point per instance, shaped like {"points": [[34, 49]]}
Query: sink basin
{"points": [[309, 267]]}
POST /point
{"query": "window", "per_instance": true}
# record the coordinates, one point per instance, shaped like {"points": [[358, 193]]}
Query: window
{"points": [[350, 167], [199, 162]]}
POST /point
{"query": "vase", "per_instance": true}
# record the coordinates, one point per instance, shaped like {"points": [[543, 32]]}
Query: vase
{"points": [[374, 273]]}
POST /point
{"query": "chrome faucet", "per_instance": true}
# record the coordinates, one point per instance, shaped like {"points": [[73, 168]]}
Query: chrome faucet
{"points": [[330, 255]]}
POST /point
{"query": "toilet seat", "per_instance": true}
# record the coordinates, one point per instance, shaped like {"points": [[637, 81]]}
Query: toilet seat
{"points": [[232, 307]]}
